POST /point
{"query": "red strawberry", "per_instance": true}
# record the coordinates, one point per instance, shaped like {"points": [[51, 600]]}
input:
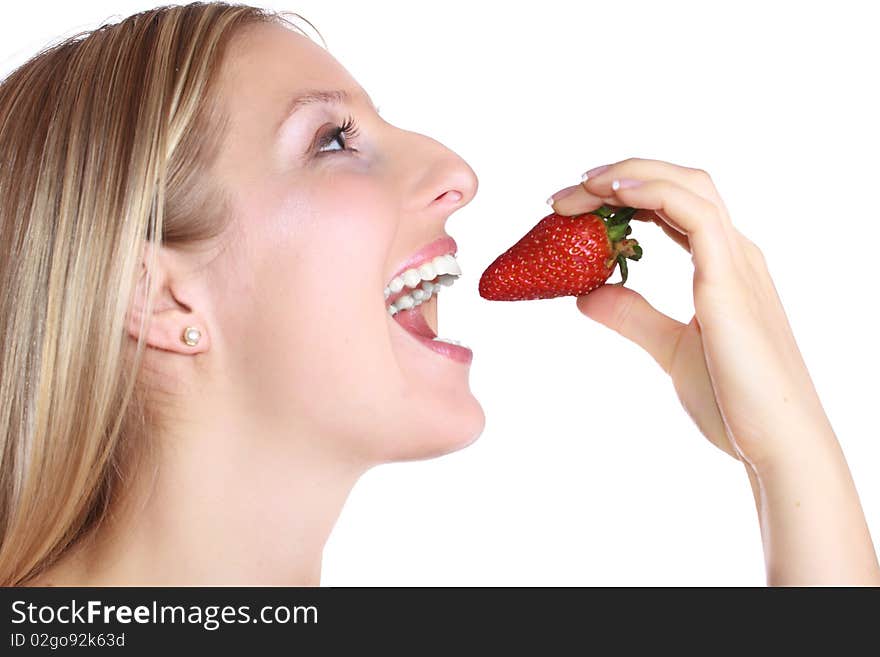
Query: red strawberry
{"points": [[563, 256]]}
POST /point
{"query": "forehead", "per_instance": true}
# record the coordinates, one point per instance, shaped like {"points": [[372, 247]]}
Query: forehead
{"points": [[267, 64]]}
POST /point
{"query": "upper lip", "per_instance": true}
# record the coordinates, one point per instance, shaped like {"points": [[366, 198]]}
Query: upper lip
{"points": [[440, 246]]}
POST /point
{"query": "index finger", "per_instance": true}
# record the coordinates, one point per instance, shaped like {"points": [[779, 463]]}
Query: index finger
{"points": [[575, 200]]}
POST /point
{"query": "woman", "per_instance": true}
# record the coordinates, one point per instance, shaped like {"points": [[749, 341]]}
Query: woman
{"points": [[200, 215]]}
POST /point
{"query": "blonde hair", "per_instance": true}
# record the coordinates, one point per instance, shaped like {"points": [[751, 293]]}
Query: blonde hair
{"points": [[106, 141]]}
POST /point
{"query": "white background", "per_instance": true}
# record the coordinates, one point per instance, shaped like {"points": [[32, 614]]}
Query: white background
{"points": [[588, 471]]}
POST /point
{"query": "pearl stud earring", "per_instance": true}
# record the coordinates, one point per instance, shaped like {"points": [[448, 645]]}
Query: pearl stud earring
{"points": [[191, 336]]}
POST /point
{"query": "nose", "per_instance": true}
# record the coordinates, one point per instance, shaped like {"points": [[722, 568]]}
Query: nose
{"points": [[436, 177]]}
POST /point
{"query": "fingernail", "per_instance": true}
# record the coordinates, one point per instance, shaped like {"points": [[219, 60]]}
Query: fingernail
{"points": [[562, 193], [625, 183], [592, 173]]}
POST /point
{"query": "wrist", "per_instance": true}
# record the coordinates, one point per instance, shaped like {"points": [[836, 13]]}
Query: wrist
{"points": [[813, 528], [792, 443]]}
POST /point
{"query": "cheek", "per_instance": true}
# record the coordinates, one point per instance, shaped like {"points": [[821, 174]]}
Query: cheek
{"points": [[329, 261], [315, 248]]}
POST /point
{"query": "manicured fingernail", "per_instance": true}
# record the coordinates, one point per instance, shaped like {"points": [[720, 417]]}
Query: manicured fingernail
{"points": [[625, 183], [562, 193], [592, 173]]}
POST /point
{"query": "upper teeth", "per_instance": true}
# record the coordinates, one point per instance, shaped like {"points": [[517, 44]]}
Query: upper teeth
{"points": [[419, 280], [428, 271]]}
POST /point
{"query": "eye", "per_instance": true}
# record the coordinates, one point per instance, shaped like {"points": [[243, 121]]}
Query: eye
{"points": [[341, 134]]}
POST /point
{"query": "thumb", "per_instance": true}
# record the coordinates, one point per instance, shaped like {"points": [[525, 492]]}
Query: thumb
{"points": [[626, 311]]}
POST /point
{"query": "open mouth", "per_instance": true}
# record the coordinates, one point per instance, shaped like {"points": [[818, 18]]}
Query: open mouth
{"points": [[408, 292]]}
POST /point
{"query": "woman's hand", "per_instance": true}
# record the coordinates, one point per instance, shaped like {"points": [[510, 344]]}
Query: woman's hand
{"points": [[735, 365], [737, 369]]}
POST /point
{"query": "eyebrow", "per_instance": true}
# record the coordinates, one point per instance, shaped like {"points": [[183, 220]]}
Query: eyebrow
{"points": [[315, 96]]}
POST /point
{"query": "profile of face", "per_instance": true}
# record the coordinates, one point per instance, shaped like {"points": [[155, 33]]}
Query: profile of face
{"points": [[301, 335]]}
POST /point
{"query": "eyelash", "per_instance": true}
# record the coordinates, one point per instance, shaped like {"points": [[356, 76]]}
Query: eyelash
{"points": [[349, 130]]}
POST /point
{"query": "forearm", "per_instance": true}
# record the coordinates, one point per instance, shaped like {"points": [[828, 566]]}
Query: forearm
{"points": [[812, 525]]}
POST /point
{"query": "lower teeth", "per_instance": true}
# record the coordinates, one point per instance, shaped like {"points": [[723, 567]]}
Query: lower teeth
{"points": [[448, 341]]}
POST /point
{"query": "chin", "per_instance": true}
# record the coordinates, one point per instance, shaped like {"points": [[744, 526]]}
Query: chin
{"points": [[437, 430]]}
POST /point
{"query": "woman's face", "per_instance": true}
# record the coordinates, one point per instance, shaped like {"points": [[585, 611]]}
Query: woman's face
{"points": [[300, 325]]}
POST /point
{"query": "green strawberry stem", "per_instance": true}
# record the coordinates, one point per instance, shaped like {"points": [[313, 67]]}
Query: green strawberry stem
{"points": [[603, 211], [624, 270], [617, 226]]}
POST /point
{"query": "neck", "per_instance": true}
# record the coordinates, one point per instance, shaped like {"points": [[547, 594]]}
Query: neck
{"points": [[216, 510]]}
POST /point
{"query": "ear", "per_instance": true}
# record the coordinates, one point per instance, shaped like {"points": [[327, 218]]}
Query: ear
{"points": [[174, 310]]}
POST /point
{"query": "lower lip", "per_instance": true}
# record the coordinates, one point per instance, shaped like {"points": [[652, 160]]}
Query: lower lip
{"points": [[451, 351]]}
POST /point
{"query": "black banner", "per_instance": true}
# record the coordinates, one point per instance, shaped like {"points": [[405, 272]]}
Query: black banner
{"points": [[418, 620]]}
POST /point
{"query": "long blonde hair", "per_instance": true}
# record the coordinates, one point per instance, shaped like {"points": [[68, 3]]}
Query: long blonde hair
{"points": [[106, 144]]}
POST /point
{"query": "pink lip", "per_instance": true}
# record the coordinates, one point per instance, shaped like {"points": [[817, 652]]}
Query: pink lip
{"points": [[440, 246], [453, 352]]}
